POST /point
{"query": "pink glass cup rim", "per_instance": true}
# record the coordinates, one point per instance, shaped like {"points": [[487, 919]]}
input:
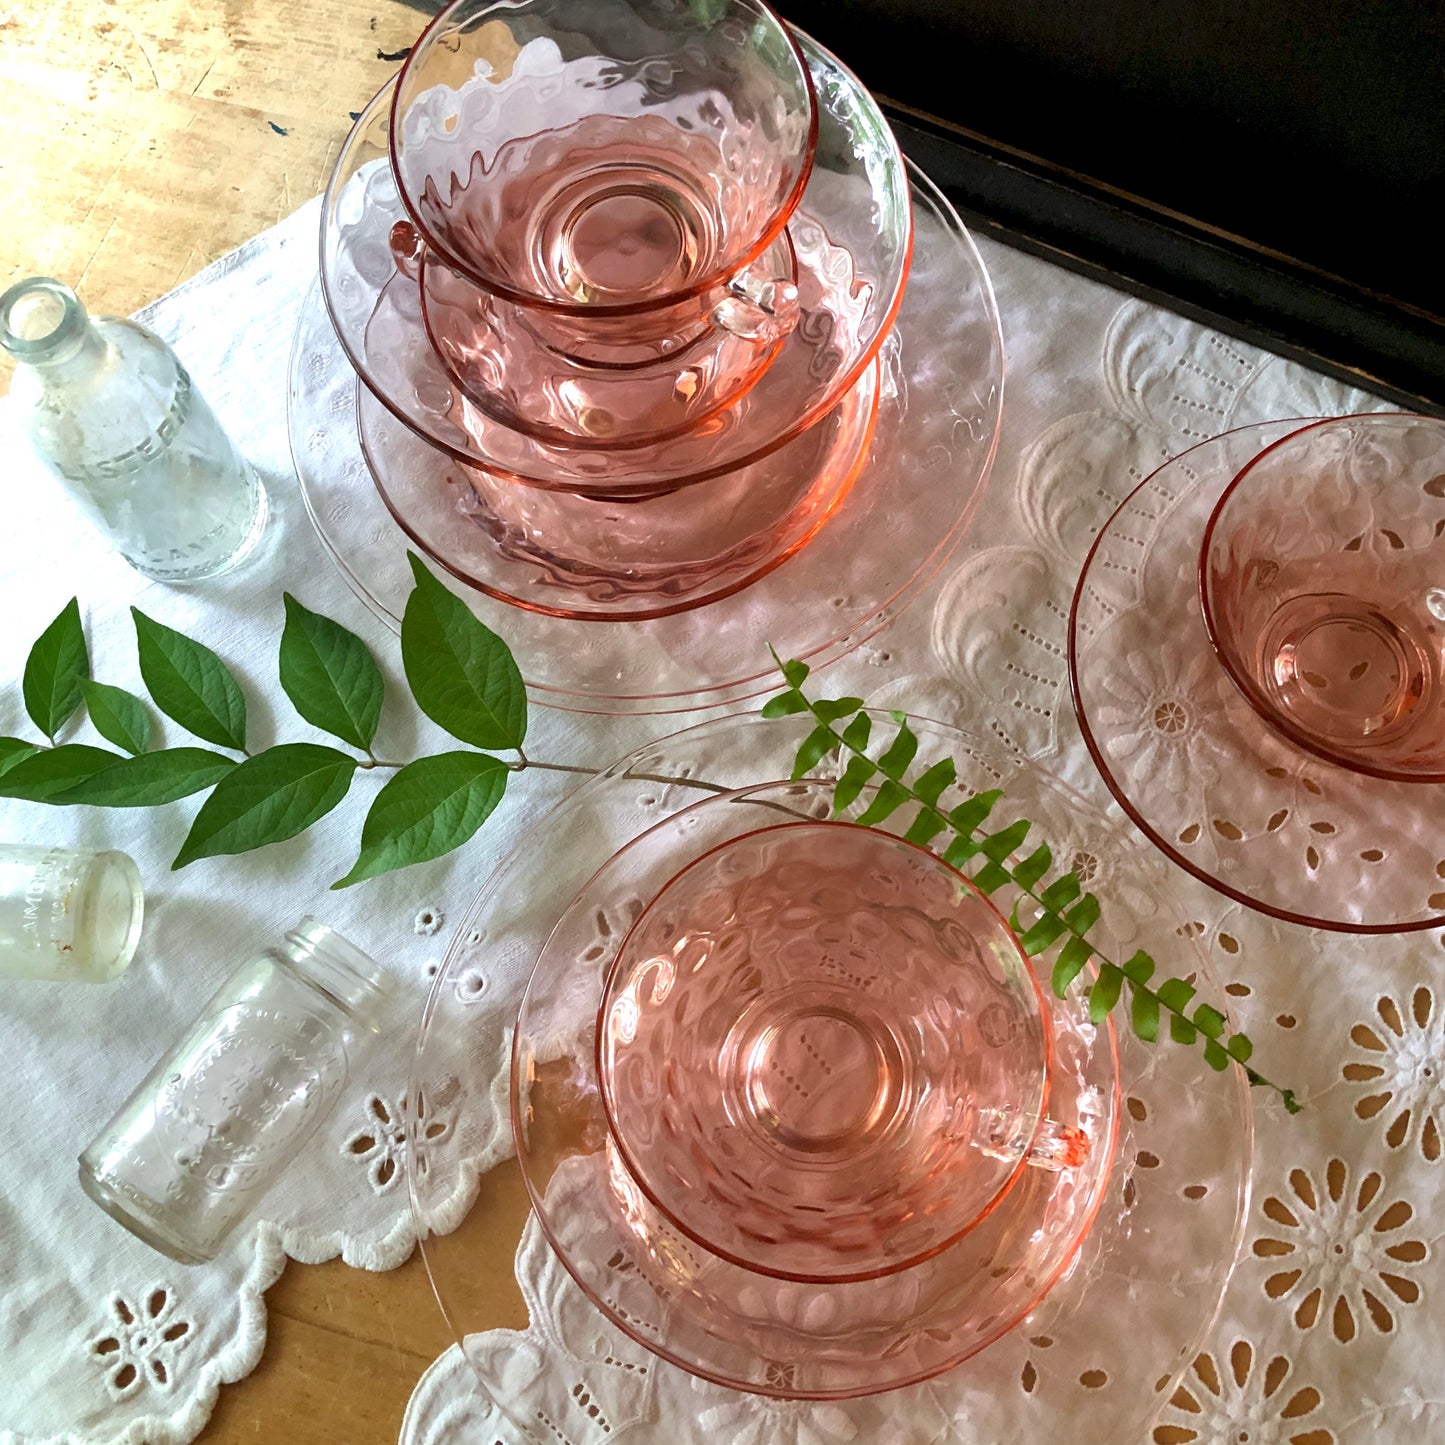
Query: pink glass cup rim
{"points": [[630, 1163], [711, 280], [1273, 718]]}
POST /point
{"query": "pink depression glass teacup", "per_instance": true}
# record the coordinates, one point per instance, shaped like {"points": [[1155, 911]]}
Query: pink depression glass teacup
{"points": [[1322, 578], [631, 557], [613, 170], [824, 1056], [619, 384]]}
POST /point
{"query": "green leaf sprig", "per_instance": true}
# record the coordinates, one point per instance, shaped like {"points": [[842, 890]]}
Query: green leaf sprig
{"points": [[462, 675], [1065, 911]]}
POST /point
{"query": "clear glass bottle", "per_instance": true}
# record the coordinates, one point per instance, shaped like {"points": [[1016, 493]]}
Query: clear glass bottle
{"points": [[66, 915], [209, 1129], [112, 413]]}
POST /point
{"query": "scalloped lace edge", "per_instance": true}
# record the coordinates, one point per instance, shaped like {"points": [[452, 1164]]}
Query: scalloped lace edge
{"points": [[275, 1246]]}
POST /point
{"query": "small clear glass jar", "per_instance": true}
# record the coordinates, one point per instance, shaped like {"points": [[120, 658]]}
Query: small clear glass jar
{"points": [[110, 410], [67, 915], [193, 1150]]}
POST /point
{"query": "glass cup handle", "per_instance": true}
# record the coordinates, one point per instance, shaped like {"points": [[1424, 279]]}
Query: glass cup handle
{"points": [[1055, 1147], [761, 309], [1058, 1147], [407, 249]]}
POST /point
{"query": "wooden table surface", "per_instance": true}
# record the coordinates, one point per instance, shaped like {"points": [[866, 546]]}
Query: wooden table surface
{"points": [[142, 140]]}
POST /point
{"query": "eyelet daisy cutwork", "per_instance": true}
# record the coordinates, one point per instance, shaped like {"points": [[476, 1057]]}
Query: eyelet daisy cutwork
{"points": [[138, 1348], [1340, 1253]]}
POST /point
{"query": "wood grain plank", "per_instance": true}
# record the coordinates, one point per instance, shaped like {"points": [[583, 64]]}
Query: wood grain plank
{"points": [[146, 138], [346, 1347]]}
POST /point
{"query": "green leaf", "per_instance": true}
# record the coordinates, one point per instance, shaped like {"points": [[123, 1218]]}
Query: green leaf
{"points": [[830, 710], [1175, 994], [462, 675], [931, 786], [1105, 992], [960, 851], [190, 684], [886, 801], [1145, 1017], [857, 733], [1239, 1048], [1033, 867], [816, 746], [11, 752], [926, 826], [268, 798], [990, 878], [1083, 915], [430, 807], [1181, 1030], [1140, 968], [1044, 931], [855, 778], [1215, 1056], [119, 716], [40, 776], [1061, 892], [973, 811], [151, 779], [1007, 841], [1069, 965], [330, 676], [55, 670], [1209, 1021], [794, 671], [784, 704], [899, 753]]}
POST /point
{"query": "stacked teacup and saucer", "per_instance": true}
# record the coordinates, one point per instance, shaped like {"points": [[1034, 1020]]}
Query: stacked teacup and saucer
{"points": [[617, 299]]}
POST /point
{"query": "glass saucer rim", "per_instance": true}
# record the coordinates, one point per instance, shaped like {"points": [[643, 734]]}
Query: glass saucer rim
{"points": [[1106, 771], [777, 223], [1241, 679], [706, 733], [871, 378], [845, 380]]}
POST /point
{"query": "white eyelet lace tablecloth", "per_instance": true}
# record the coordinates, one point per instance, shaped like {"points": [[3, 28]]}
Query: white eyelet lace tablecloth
{"points": [[1326, 1335]]}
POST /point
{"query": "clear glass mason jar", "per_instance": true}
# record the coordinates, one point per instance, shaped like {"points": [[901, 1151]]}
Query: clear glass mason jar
{"points": [[211, 1127], [67, 915], [109, 409]]}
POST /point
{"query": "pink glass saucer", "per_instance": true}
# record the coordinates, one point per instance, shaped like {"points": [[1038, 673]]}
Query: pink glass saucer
{"points": [[1222, 793], [933, 444], [1170, 1206], [832, 1337], [606, 559], [852, 236]]}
